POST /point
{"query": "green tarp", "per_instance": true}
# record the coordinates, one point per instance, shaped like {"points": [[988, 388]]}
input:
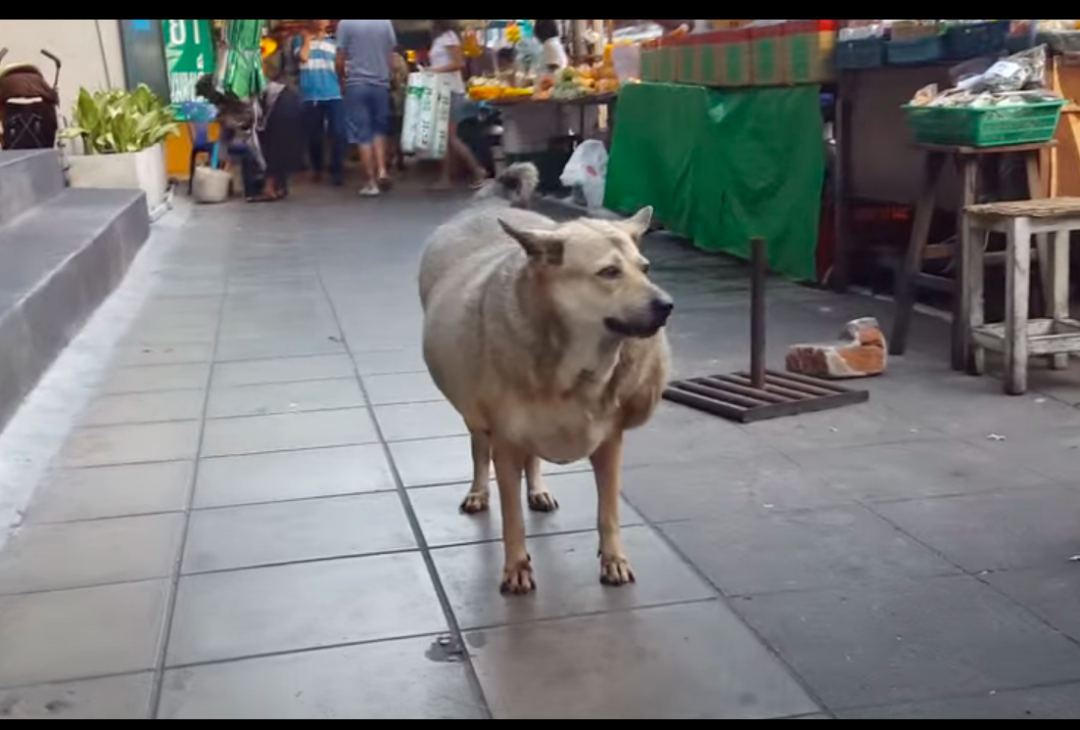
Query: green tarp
{"points": [[242, 70], [720, 167]]}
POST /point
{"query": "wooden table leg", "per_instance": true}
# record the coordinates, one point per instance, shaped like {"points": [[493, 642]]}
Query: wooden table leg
{"points": [[1042, 244], [972, 243], [1017, 282], [912, 265], [966, 271], [1059, 273]]}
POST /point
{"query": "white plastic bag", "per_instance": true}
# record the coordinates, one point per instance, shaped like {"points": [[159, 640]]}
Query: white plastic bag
{"points": [[413, 93], [425, 127], [440, 128], [587, 170]]}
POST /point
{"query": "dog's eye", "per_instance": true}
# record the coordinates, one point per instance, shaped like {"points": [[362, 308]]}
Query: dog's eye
{"points": [[609, 272], [645, 267]]}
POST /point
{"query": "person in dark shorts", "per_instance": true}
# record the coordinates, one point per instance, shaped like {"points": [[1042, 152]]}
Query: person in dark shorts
{"points": [[365, 48]]}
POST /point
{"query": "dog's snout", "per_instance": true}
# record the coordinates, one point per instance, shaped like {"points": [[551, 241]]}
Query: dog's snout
{"points": [[662, 307]]}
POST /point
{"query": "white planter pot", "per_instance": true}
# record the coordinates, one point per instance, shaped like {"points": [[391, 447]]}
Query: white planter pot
{"points": [[143, 170]]}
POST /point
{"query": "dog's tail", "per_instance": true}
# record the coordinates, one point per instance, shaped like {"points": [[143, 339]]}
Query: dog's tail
{"points": [[516, 185]]}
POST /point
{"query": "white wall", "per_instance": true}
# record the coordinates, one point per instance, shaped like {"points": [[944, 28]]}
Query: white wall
{"points": [[76, 44]]}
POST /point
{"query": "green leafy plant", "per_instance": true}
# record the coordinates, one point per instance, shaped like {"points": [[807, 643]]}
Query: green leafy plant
{"points": [[117, 121]]}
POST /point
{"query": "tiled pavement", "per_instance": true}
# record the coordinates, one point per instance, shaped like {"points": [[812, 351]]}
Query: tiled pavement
{"points": [[256, 516]]}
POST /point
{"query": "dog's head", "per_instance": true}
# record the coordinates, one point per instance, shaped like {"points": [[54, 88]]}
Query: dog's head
{"points": [[594, 275]]}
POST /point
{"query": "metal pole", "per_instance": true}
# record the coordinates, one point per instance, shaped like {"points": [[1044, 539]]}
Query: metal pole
{"points": [[757, 312]]}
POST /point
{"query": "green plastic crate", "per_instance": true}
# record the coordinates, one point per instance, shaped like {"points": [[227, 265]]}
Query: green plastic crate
{"points": [[984, 127]]}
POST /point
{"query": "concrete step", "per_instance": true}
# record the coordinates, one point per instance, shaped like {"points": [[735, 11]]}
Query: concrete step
{"points": [[28, 178], [58, 262]]}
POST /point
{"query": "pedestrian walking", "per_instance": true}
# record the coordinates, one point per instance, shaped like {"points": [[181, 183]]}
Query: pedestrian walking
{"points": [[320, 88], [364, 50]]}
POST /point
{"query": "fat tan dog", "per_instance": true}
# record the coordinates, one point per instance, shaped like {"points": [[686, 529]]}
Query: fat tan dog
{"points": [[549, 340]]}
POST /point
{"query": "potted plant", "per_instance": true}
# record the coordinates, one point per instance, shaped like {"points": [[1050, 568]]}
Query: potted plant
{"points": [[122, 134]]}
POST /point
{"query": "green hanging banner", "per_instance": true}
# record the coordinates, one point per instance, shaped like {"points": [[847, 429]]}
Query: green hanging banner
{"points": [[189, 54]]}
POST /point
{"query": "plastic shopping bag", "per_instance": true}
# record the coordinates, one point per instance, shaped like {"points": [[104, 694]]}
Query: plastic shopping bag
{"points": [[441, 130], [425, 127], [414, 91], [586, 171]]}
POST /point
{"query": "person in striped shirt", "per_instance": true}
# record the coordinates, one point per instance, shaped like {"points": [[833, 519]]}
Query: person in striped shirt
{"points": [[320, 88]]}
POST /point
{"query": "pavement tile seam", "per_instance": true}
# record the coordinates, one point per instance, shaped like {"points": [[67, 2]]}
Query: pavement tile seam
{"points": [[160, 662], [740, 596], [106, 518], [143, 421], [240, 361], [144, 390], [1037, 615], [986, 446], [977, 575], [303, 561], [456, 634], [794, 453], [407, 403], [590, 614], [257, 450], [464, 485], [231, 386], [326, 409], [863, 708], [87, 586], [980, 577], [540, 536], [697, 571], [305, 449], [304, 650], [105, 426], [287, 500], [134, 463], [88, 678], [887, 501]]}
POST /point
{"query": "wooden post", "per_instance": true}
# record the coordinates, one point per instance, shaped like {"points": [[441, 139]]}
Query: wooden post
{"points": [[843, 136], [1059, 275], [961, 351], [1017, 276], [758, 266], [972, 275]]}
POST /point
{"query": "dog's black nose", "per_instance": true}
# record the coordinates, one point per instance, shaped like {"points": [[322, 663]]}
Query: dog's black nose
{"points": [[662, 307]]}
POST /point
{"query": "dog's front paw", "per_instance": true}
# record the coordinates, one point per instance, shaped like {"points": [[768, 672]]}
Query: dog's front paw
{"points": [[543, 502], [518, 578], [475, 502], [615, 570]]}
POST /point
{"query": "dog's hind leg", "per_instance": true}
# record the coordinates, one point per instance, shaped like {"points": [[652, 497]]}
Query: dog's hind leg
{"points": [[479, 495], [540, 499], [607, 468], [517, 572]]}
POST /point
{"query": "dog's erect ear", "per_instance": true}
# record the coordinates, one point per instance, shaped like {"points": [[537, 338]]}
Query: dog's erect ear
{"points": [[637, 224], [542, 247]]}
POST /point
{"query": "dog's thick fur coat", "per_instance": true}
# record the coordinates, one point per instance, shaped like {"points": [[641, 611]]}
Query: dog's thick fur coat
{"points": [[549, 340]]}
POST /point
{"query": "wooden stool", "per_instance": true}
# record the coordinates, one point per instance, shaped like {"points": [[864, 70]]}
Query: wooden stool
{"points": [[1018, 337], [911, 276]]}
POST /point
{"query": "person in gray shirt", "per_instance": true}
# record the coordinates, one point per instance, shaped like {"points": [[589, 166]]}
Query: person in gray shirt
{"points": [[363, 60]]}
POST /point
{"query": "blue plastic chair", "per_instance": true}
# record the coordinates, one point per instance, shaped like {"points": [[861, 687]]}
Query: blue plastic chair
{"points": [[199, 115]]}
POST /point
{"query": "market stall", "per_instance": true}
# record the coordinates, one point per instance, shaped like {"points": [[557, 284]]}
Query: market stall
{"points": [[725, 138], [721, 167], [544, 112], [937, 116], [881, 65]]}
